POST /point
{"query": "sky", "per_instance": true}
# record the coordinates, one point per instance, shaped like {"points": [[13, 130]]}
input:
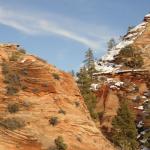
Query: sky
{"points": [[61, 31]]}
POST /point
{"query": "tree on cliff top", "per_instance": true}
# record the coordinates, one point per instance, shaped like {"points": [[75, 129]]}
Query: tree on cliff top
{"points": [[85, 80], [111, 43], [89, 62]]}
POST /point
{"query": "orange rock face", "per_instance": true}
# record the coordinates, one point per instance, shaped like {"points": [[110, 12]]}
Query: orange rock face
{"points": [[108, 93], [42, 92]]}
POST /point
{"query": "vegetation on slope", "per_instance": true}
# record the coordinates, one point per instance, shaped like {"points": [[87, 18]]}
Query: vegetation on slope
{"points": [[124, 131], [85, 80], [130, 56]]}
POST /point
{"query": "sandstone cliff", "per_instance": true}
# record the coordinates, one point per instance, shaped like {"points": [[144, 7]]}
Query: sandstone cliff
{"points": [[38, 103], [117, 80]]}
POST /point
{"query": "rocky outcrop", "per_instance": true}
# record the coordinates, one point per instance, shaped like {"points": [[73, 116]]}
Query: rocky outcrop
{"points": [[120, 81], [38, 103]]}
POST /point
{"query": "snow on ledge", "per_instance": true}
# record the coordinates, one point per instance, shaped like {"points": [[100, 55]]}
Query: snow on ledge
{"points": [[105, 65]]}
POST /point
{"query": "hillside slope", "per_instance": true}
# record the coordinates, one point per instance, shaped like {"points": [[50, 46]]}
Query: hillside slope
{"points": [[38, 103]]}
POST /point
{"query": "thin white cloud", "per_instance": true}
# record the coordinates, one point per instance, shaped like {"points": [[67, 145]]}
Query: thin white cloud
{"points": [[55, 24]]}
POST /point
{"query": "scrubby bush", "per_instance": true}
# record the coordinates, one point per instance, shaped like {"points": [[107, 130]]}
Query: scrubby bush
{"points": [[53, 121], [127, 51], [56, 76], [13, 107], [60, 145], [77, 104], [23, 87], [5, 68], [130, 56], [135, 62], [24, 71], [12, 90], [12, 78], [79, 139], [12, 123], [15, 56], [21, 50], [61, 111], [35, 90], [147, 139], [45, 84], [26, 103]]}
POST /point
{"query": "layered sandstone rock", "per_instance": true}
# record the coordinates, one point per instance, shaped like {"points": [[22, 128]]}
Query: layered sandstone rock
{"points": [[42, 92], [121, 81]]}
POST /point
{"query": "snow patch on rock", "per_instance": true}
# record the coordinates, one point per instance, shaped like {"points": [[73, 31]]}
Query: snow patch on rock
{"points": [[104, 64]]}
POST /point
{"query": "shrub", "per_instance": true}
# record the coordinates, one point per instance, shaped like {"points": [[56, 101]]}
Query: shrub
{"points": [[56, 76], [136, 89], [24, 71], [26, 103], [5, 68], [15, 56], [135, 62], [61, 111], [13, 108], [45, 84], [23, 87], [12, 90], [131, 57], [52, 148], [35, 90], [77, 104], [12, 78], [147, 138], [127, 51], [21, 50], [12, 123], [60, 145], [79, 139], [53, 121]]}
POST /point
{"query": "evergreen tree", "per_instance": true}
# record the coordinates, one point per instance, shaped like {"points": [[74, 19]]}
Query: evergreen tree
{"points": [[89, 62], [84, 83], [124, 130], [111, 43], [72, 73], [130, 28], [85, 80], [147, 138]]}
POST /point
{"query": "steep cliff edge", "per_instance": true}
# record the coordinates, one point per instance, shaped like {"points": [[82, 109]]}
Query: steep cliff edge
{"points": [[124, 73], [39, 103]]}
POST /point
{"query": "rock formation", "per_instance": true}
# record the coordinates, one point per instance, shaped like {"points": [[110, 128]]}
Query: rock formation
{"points": [[116, 79], [39, 103]]}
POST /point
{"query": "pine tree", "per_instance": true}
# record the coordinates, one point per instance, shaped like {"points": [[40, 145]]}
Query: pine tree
{"points": [[130, 28], [85, 80], [124, 130], [111, 43], [84, 83], [72, 73], [89, 62], [147, 138]]}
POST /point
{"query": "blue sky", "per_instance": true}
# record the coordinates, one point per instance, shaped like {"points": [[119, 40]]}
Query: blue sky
{"points": [[60, 31]]}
